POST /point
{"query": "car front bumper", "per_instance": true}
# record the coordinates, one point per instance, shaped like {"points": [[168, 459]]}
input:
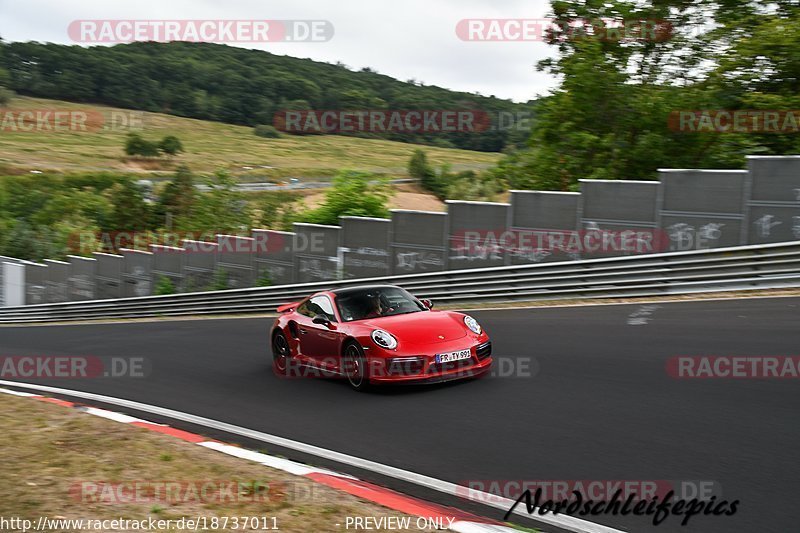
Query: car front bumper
{"points": [[429, 371]]}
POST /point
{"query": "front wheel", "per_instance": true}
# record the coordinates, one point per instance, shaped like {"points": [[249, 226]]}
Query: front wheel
{"points": [[354, 363], [281, 354]]}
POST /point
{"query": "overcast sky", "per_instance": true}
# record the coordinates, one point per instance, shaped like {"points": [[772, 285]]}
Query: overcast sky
{"points": [[404, 39]]}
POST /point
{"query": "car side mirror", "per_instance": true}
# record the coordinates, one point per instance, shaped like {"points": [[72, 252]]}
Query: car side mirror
{"points": [[427, 303], [321, 319]]}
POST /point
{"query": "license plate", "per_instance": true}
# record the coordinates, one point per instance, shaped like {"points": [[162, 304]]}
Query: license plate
{"points": [[453, 356]]}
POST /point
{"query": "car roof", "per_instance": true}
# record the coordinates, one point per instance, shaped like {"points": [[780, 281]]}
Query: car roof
{"points": [[350, 290]]}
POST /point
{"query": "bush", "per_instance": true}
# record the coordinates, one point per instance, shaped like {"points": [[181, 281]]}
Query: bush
{"points": [[357, 194], [171, 145], [264, 280], [220, 282], [419, 168], [136, 145], [164, 286], [264, 130], [468, 185]]}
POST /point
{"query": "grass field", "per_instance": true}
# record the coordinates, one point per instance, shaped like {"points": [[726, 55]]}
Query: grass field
{"points": [[52, 453], [209, 146]]}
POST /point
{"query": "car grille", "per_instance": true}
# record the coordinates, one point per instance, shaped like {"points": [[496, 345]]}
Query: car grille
{"points": [[484, 350], [405, 366]]}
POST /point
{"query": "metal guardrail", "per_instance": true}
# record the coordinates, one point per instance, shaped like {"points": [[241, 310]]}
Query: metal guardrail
{"points": [[745, 267]]}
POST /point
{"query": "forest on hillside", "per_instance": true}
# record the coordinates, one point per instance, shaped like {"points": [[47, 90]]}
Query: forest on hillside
{"points": [[239, 86]]}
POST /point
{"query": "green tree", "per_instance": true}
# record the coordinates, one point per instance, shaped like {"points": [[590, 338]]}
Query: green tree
{"points": [[418, 168], [5, 96], [221, 209], [276, 210], [353, 193], [174, 205], [130, 211], [609, 116], [430, 179], [5, 79]]}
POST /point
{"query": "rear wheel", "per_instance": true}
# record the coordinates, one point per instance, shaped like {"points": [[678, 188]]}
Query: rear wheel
{"points": [[281, 354], [355, 367]]}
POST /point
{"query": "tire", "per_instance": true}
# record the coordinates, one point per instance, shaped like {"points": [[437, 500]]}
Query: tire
{"points": [[281, 354], [355, 368]]}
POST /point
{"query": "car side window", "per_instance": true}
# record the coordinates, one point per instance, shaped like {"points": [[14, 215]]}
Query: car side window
{"points": [[318, 305], [304, 310]]}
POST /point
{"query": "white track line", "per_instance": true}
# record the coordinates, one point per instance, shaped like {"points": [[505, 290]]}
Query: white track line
{"points": [[569, 523]]}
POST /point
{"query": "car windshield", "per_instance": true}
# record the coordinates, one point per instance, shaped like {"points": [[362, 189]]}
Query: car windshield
{"points": [[376, 302]]}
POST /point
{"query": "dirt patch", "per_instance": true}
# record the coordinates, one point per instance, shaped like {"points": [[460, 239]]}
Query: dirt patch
{"points": [[406, 196]]}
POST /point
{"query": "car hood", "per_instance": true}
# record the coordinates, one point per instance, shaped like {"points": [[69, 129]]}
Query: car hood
{"points": [[424, 327]]}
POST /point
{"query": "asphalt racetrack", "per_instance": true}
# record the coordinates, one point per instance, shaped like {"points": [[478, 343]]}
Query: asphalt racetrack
{"points": [[579, 393]]}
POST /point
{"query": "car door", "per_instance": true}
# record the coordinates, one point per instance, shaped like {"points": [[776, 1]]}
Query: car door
{"points": [[319, 341]]}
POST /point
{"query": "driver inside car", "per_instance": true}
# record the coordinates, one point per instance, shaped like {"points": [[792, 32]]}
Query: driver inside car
{"points": [[374, 307]]}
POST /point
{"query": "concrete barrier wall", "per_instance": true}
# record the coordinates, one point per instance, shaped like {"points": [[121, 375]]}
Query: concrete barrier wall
{"points": [[685, 210], [617, 218], [773, 207], [199, 265], [236, 260], [56, 278], [35, 287], [274, 257], [701, 209], [108, 276], [365, 247], [419, 241], [81, 278], [316, 252], [167, 264], [137, 273], [542, 223], [475, 234]]}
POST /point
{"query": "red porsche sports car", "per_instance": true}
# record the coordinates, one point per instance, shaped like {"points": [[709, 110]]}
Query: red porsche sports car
{"points": [[377, 334]]}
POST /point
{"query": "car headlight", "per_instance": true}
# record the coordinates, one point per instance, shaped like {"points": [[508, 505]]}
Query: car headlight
{"points": [[472, 324], [384, 339]]}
